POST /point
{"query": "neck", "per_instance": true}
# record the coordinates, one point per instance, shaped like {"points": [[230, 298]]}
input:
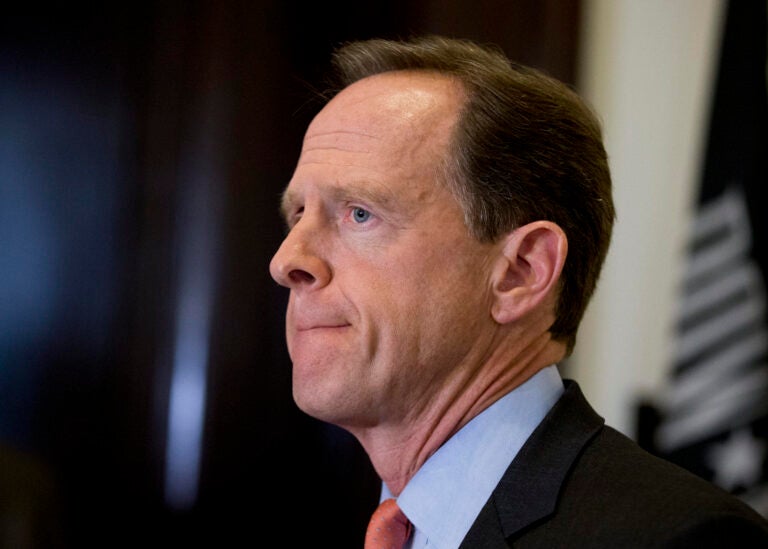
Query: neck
{"points": [[397, 451]]}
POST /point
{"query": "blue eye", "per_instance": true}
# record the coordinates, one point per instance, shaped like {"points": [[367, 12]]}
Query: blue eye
{"points": [[360, 215]]}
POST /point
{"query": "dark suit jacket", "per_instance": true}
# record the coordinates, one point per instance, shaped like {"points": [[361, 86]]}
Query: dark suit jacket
{"points": [[578, 483]]}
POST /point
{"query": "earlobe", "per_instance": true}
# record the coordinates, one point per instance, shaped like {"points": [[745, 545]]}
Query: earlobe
{"points": [[530, 262]]}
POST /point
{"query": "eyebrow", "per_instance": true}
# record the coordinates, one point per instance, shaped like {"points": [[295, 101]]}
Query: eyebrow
{"points": [[381, 197]]}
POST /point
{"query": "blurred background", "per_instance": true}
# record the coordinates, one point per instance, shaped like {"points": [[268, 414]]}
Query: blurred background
{"points": [[144, 381]]}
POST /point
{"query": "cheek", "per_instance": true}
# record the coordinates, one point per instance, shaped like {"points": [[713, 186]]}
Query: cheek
{"points": [[452, 290], [409, 290], [434, 298]]}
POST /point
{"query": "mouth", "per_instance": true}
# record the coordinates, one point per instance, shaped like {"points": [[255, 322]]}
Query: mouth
{"points": [[322, 327]]}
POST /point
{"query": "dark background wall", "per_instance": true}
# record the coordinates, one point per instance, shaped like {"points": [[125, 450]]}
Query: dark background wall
{"points": [[143, 148]]}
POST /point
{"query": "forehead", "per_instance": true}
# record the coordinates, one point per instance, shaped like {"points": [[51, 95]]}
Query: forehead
{"points": [[388, 129], [415, 102]]}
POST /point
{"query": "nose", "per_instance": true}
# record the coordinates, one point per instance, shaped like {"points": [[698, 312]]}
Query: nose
{"points": [[298, 263]]}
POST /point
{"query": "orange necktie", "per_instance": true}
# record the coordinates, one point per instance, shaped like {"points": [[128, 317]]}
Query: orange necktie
{"points": [[389, 528]]}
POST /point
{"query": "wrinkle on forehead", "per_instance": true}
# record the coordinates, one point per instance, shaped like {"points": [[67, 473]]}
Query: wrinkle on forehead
{"points": [[330, 140]]}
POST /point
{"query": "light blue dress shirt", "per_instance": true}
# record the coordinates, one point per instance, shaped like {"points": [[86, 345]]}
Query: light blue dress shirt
{"points": [[445, 496]]}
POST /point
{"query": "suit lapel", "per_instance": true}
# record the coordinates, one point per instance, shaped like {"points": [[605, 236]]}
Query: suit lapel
{"points": [[529, 489]]}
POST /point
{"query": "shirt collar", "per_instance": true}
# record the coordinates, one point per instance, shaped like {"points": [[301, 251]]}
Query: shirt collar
{"points": [[447, 493]]}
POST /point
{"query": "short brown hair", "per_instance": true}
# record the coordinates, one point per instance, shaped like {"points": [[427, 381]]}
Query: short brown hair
{"points": [[526, 147]]}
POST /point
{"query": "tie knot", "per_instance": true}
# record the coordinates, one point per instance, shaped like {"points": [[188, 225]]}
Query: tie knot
{"points": [[388, 528]]}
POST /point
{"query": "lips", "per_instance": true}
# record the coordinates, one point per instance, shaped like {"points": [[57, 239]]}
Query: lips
{"points": [[307, 322], [307, 317], [320, 326]]}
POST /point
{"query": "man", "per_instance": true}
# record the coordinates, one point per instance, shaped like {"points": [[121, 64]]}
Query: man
{"points": [[448, 218]]}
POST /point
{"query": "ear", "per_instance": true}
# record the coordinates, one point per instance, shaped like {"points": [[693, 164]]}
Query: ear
{"points": [[528, 269]]}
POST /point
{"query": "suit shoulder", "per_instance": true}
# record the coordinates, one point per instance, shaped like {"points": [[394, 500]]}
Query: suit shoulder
{"points": [[613, 455], [579, 483], [632, 490]]}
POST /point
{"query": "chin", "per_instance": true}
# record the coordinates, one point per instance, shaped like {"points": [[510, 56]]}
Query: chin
{"points": [[313, 401], [325, 405]]}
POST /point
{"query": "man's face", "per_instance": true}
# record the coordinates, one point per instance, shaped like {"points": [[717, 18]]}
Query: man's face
{"points": [[389, 293]]}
